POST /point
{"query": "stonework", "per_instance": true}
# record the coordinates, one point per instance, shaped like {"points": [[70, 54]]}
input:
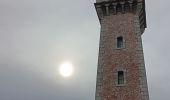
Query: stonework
{"points": [[128, 59]]}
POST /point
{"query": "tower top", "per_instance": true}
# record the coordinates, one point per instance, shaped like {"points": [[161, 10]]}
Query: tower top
{"points": [[112, 7], [118, 0]]}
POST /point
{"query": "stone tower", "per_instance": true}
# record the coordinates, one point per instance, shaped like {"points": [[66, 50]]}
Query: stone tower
{"points": [[121, 70]]}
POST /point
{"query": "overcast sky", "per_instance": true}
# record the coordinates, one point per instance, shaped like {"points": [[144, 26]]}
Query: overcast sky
{"points": [[36, 36]]}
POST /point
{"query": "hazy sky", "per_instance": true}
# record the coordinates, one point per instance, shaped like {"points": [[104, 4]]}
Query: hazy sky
{"points": [[36, 36]]}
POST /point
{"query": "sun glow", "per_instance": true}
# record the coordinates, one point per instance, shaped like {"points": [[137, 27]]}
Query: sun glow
{"points": [[66, 69]]}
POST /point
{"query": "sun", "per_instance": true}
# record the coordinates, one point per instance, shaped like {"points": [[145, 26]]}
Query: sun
{"points": [[66, 69]]}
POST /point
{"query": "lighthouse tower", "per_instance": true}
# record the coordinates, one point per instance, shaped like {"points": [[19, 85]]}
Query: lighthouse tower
{"points": [[121, 71]]}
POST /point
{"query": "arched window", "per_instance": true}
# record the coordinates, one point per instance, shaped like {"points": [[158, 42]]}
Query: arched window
{"points": [[120, 42]]}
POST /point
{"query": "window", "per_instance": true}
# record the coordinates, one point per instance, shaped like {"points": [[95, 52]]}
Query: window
{"points": [[120, 42], [120, 77]]}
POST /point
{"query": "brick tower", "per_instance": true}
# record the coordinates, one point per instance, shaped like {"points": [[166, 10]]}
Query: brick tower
{"points": [[121, 70]]}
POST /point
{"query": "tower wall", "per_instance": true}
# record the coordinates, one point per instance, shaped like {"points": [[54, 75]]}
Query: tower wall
{"points": [[128, 59]]}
